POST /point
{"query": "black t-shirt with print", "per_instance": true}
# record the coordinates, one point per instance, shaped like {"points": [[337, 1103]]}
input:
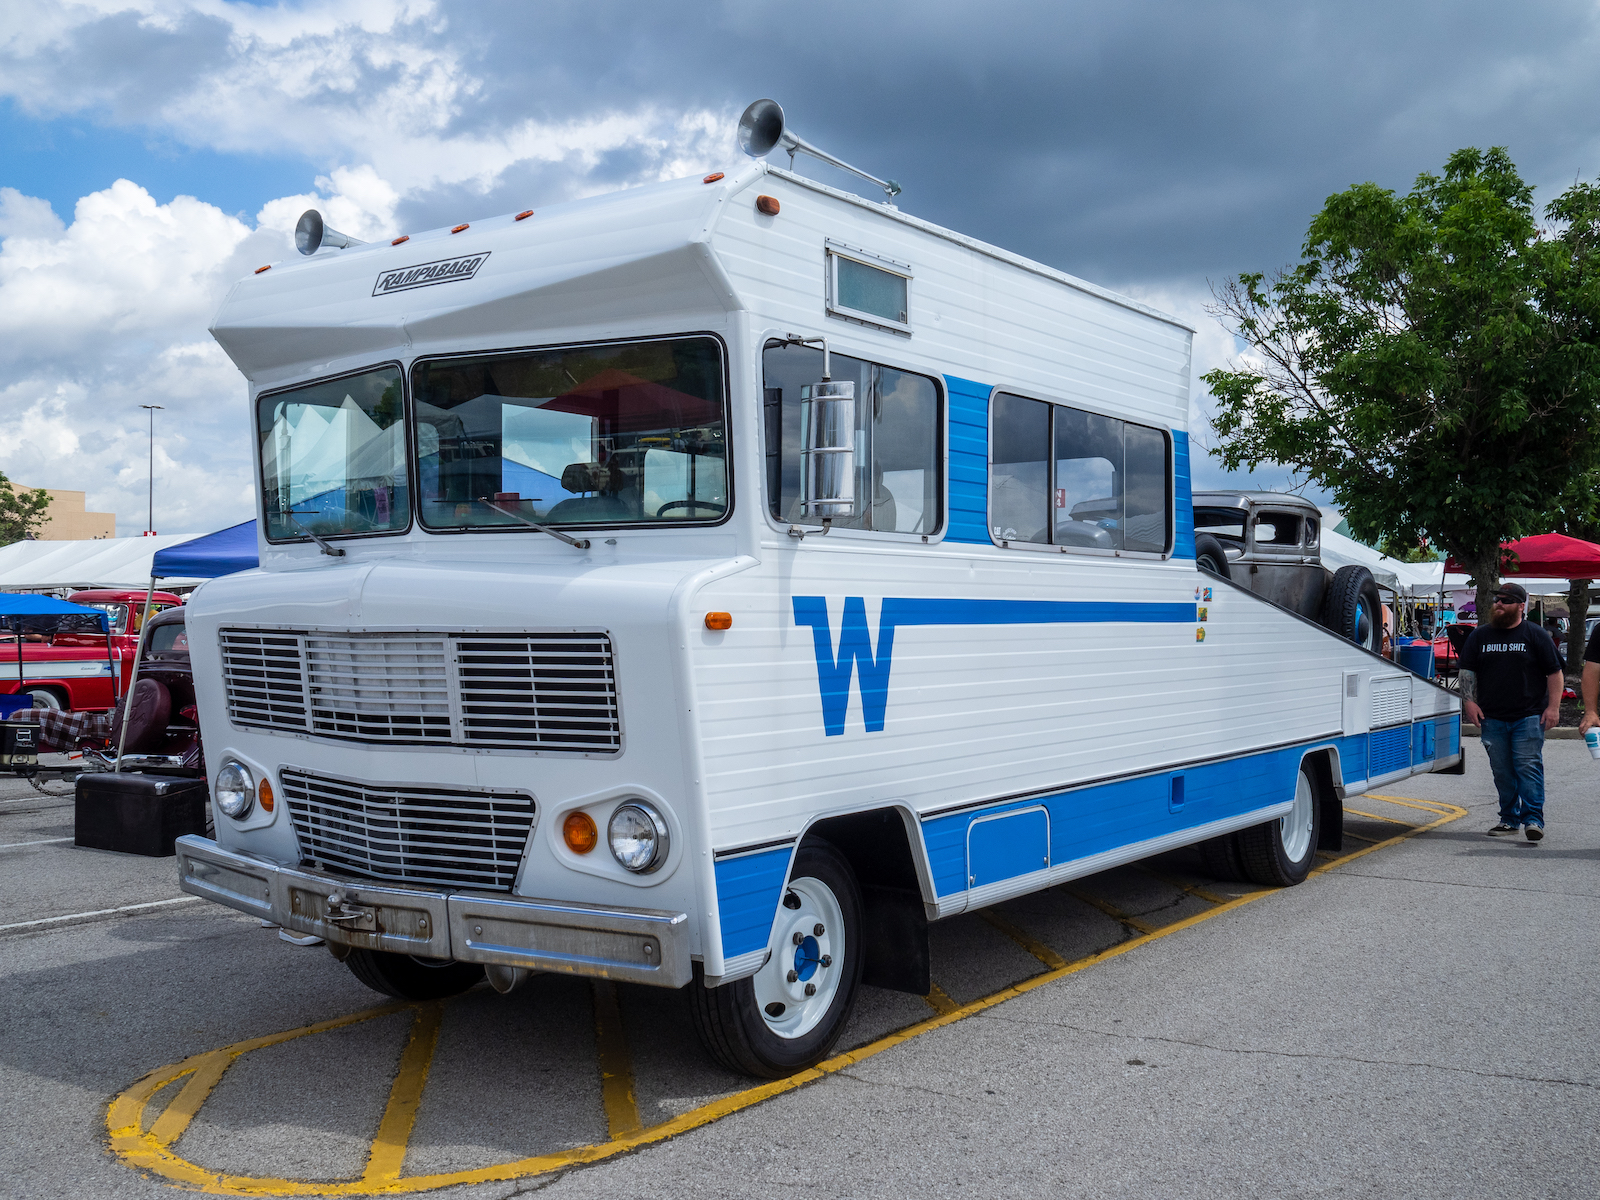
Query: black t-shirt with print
{"points": [[1512, 666]]}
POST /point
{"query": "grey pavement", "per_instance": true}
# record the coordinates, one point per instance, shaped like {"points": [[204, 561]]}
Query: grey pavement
{"points": [[1416, 1022]]}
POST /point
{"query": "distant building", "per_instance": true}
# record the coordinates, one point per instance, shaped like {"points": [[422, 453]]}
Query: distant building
{"points": [[66, 520]]}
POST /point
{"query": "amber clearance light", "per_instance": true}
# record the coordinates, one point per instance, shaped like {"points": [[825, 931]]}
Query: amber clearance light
{"points": [[719, 620], [579, 832], [264, 796]]}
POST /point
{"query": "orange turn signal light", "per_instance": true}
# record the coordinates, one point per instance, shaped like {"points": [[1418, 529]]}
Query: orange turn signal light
{"points": [[264, 796], [719, 620], [459, 228], [712, 178], [579, 832], [404, 237], [268, 267], [525, 214], [768, 205]]}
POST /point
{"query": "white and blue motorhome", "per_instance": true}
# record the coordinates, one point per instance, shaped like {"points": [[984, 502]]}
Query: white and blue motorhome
{"points": [[714, 582]]}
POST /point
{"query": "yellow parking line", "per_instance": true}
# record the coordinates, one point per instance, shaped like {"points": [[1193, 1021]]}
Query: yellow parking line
{"points": [[169, 1126], [1433, 806], [616, 1066], [141, 1150], [1110, 910], [1032, 945], [405, 1097], [939, 1000], [1356, 812]]}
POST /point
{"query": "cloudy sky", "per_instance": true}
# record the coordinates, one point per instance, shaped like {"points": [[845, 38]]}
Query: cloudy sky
{"points": [[153, 151]]}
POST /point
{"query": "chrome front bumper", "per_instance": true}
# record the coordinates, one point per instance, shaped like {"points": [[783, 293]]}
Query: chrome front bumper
{"points": [[639, 945]]}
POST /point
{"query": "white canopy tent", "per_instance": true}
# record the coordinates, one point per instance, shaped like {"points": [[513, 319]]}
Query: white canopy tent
{"points": [[1400, 578], [97, 563]]}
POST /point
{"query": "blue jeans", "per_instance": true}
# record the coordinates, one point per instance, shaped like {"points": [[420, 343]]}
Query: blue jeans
{"points": [[1516, 750]]}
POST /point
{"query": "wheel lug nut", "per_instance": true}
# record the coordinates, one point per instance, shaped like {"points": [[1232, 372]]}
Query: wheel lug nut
{"points": [[794, 976], [811, 989], [799, 938], [818, 930], [827, 960]]}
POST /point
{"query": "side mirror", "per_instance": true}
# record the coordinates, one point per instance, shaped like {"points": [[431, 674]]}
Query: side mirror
{"points": [[828, 450]]}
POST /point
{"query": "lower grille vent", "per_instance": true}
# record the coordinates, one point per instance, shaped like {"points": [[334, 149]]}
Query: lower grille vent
{"points": [[449, 837]]}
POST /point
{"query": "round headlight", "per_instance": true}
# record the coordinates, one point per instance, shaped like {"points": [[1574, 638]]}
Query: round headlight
{"points": [[638, 837], [235, 790]]}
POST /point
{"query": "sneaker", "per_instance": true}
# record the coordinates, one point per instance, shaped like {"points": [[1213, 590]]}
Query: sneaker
{"points": [[1504, 830], [1534, 833], [299, 939]]}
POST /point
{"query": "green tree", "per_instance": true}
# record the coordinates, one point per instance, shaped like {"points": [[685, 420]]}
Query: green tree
{"points": [[21, 512], [1433, 360]]}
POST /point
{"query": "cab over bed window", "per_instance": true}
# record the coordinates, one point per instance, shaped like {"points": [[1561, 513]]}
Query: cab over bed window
{"points": [[897, 440], [1063, 477]]}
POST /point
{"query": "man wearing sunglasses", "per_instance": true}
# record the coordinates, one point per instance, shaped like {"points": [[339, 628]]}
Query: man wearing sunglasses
{"points": [[1511, 689]]}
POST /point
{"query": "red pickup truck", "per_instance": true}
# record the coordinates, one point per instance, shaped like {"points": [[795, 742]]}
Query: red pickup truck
{"points": [[72, 669]]}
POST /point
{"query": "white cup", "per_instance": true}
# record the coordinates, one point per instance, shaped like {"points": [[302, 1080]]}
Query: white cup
{"points": [[1592, 740]]}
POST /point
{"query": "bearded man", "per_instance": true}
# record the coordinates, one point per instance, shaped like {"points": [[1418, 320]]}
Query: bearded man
{"points": [[1511, 689]]}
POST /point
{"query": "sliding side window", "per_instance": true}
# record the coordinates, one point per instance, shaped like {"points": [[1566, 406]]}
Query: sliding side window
{"points": [[898, 451], [1064, 477]]}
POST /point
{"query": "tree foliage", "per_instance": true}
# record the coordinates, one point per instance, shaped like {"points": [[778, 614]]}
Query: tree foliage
{"points": [[21, 512], [1433, 360]]}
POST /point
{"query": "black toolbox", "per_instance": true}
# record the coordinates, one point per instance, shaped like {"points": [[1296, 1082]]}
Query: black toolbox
{"points": [[137, 814]]}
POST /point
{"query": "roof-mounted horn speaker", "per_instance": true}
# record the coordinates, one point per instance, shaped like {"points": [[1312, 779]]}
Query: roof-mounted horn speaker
{"points": [[762, 128], [312, 234]]}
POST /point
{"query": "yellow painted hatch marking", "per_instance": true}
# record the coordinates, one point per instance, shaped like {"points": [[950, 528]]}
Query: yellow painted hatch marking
{"points": [[149, 1147], [616, 1067]]}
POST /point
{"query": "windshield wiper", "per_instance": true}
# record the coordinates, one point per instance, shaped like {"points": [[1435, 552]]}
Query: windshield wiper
{"points": [[578, 543], [332, 551]]}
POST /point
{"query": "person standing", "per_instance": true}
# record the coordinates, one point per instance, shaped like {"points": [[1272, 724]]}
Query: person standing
{"points": [[1511, 689], [1591, 681]]}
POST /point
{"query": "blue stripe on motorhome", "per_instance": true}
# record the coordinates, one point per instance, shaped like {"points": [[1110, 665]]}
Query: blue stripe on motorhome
{"points": [[969, 461], [1182, 498], [1388, 751], [747, 896], [1092, 820], [1352, 757], [1449, 735]]}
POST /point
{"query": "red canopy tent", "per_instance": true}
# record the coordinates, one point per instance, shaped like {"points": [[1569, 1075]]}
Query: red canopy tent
{"points": [[1546, 556]]}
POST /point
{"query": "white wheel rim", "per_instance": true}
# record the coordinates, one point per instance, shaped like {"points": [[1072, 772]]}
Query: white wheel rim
{"points": [[1294, 830], [783, 1002]]}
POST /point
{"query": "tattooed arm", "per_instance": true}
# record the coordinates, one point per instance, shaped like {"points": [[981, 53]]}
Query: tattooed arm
{"points": [[1469, 698]]}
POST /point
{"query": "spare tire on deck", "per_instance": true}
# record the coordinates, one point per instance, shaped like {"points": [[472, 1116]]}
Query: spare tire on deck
{"points": [[1352, 608], [1210, 556]]}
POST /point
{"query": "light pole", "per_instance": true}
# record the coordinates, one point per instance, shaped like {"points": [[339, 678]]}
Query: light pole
{"points": [[150, 516]]}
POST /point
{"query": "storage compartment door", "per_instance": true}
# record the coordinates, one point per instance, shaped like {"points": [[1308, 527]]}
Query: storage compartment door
{"points": [[1007, 845]]}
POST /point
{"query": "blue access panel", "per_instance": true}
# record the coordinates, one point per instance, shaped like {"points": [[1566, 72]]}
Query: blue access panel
{"points": [[1007, 845]]}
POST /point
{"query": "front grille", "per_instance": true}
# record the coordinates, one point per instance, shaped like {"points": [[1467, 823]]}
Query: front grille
{"points": [[533, 691], [448, 837]]}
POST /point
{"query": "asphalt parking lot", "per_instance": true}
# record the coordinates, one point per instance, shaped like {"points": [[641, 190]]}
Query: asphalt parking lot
{"points": [[1418, 1019]]}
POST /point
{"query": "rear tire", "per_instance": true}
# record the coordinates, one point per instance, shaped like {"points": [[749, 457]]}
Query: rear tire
{"points": [[1352, 608], [1222, 858], [47, 698], [1210, 556], [1281, 853], [766, 1025], [406, 977]]}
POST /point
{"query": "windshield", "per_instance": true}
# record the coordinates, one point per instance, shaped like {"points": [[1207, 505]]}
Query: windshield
{"points": [[590, 435], [333, 457]]}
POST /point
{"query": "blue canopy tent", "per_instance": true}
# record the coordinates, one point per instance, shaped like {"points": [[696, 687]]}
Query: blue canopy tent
{"points": [[21, 611], [221, 553]]}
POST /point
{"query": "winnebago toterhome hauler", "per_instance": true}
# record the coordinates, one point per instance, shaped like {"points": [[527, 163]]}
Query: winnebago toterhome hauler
{"points": [[710, 584]]}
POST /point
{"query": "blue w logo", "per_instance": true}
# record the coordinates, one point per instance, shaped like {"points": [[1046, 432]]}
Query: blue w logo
{"points": [[855, 640], [855, 646]]}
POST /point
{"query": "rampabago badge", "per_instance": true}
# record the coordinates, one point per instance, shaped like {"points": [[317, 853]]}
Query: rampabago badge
{"points": [[446, 270]]}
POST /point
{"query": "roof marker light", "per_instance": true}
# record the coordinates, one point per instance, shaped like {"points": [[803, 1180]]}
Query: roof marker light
{"points": [[768, 205], [525, 214], [712, 178], [268, 267], [404, 237], [459, 228], [719, 620]]}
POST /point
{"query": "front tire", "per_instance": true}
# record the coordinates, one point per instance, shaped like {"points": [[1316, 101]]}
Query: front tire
{"points": [[1281, 853], [46, 698], [791, 1012], [406, 977]]}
